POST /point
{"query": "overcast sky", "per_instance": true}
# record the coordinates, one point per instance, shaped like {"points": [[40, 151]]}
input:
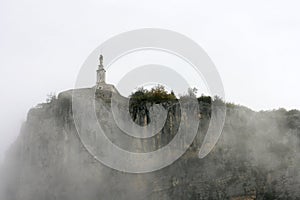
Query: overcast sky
{"points": [[254, 44]]}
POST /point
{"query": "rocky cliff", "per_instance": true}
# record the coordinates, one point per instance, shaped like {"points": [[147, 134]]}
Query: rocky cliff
{"points": [[257, 157]]}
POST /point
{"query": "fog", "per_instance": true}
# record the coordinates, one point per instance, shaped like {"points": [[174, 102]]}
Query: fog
{"points": [[254, 45], [257, 154]]}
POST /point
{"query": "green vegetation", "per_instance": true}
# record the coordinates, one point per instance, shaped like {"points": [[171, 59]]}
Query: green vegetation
{"points": [[159, 94], [156, 95], [205, 99]]}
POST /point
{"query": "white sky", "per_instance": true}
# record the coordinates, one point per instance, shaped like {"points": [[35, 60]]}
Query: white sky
{"points": [[254, 44]]}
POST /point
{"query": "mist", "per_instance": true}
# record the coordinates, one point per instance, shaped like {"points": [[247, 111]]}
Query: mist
{"points": [[254, 45], [257, 154]]}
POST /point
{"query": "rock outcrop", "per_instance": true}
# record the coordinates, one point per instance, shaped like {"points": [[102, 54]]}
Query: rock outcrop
{"points": [[257, 157]]}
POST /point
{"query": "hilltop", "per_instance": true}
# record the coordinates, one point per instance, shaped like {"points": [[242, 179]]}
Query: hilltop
{"points": [[256, 156]]}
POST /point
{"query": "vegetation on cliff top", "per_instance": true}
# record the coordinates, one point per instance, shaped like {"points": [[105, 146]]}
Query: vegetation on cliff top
{"points": [[159, 94]]}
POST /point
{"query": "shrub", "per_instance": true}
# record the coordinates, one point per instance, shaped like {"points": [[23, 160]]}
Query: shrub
{"points": [[156, 94]]}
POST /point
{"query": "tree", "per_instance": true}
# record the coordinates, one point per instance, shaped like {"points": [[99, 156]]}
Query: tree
{"points": [[50, 97], [157, 93], [192, 92]]}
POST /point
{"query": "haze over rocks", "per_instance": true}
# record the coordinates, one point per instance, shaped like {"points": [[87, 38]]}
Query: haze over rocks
{"points": [[258, 155]]}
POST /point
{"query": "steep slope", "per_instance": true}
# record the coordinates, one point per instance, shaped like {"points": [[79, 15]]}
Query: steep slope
{"points": [[256, 156]]}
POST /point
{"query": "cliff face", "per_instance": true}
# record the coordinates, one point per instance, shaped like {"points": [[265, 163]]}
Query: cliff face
{"points": [[256, 156]]}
